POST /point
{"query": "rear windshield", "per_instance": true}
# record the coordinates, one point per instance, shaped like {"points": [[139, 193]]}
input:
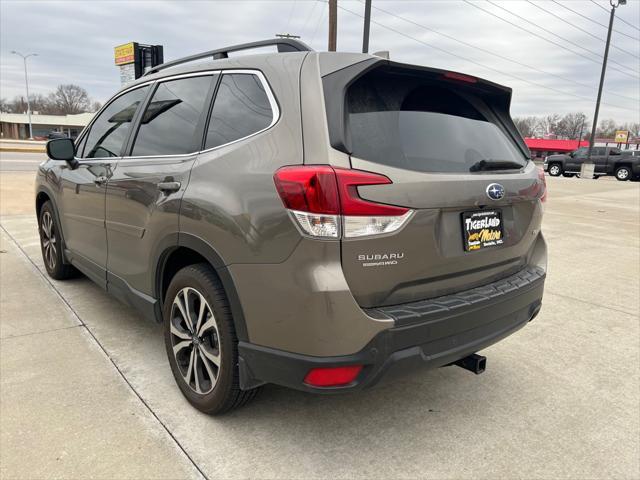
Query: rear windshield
{"points": [[403, 122]]}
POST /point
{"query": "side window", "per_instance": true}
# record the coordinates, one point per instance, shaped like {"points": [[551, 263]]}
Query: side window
{"points": [[614, 151], [80, 146], [241, 108], [110, 130], [170, 123], [599, 151]]}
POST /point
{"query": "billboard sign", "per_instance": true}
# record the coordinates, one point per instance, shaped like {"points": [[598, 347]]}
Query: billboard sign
{"points": [[125, 54]]}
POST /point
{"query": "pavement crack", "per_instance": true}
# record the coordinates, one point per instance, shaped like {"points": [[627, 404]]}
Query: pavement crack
{"points": [[39, 332], [547, 290], [104, 351]]}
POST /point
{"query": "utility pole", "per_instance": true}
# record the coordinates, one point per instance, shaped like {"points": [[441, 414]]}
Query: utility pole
{"points": [[614, 4], [333, 25], [26, 83], [367, 26]]}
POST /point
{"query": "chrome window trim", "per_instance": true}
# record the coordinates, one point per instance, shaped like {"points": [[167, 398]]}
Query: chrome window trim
{"points": [[275, 112]]}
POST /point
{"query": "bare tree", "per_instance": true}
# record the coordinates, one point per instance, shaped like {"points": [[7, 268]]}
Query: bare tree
{"points": [[4, 105], [571, 125], [69, 99], [526, 125], [607, 128], [548, 124]]}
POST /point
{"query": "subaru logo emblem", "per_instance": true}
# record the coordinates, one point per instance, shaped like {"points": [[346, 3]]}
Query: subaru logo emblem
{"points": [[495, 191]]}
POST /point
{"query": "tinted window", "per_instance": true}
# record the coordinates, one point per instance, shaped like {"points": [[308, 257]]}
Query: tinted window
{"points": [[110, 130], [599, 151], [405, 122], [80, 146], [241, 108], [169, 125]]}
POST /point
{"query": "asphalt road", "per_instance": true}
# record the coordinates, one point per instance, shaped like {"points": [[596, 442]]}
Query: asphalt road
{"points": [[20, 162], [86, 389]]}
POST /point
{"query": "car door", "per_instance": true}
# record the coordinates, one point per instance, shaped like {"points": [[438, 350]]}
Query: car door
{"points": [[613, 156], [82, 202], [574, 160], [146, 187], [599, 158]]}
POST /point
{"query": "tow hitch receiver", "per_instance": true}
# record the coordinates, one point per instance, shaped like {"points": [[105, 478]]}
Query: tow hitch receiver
{"points": [[474, 363]]}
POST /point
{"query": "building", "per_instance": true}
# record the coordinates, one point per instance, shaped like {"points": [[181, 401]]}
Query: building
{"points": [[541, 147], [16, 125]]}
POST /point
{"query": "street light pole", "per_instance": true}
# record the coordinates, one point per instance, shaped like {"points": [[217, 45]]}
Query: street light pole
{"points": [[26, 83], [614, 4], [367, 26]]}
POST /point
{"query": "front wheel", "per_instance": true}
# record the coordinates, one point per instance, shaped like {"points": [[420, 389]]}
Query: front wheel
{"points": [[555, 170], [623, 174], [201, 341], [51, 244]]}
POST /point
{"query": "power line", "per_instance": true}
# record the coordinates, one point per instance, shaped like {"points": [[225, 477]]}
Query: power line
{"points": [[555, 34], [501, 72], [619, 19], [495, 54], [545, 39], [580, 28], [594, 21]]}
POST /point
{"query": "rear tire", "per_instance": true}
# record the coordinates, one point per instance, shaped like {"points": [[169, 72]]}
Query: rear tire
{"points": [[51, 244], [555, 169], [568, 175], [201, 341], [623, 174]]}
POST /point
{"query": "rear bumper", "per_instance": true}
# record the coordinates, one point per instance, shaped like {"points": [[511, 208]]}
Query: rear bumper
{"points": [[430, 333]]}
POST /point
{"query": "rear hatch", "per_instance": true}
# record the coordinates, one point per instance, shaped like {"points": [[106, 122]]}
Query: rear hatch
{"points": [[448, 145]]}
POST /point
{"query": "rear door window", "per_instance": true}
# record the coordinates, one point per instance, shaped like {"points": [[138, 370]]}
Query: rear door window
{"points": [[111, 129], [241, 108], [405, 122], [172, 123]]}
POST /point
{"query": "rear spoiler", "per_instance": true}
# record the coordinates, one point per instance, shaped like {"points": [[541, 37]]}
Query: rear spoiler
{"points": [[335, 85]]}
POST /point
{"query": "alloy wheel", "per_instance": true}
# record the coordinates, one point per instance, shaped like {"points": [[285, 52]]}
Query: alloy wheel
{"points": [[554, 170], [49, 241], [195, 340], [623, 174]]}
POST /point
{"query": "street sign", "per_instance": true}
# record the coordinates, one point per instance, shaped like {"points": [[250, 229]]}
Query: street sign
{"points": [[622, 136], [134, 59]]}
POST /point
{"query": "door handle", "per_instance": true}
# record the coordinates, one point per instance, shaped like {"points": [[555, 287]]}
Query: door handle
{"points": [[168, 187], [101, 180]]}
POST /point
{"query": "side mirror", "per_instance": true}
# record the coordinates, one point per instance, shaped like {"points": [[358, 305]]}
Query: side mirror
{"points": [[62, 149]]}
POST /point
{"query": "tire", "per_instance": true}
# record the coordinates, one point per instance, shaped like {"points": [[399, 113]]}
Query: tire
{"points": [[623, 174], [555, 170], [211, 388], [51, 244]]}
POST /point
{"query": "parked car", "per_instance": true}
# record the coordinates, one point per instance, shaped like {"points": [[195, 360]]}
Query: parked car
{"points": [[55, 134], [301, 218], [624, 164]]}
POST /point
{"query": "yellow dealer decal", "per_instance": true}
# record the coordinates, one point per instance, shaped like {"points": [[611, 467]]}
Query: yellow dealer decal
{"points": [[622, 136], [124, 53]]}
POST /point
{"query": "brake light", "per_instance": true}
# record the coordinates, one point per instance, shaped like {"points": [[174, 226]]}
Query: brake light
{"points": [[324, 202], [459, 77], [543, 181], [332, 376]]}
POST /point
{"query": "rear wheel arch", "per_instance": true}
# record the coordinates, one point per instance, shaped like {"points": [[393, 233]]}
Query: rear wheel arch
{"points": [[192, 250]]}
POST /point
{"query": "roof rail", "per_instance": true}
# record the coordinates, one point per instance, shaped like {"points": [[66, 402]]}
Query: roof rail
{"points": [[283, 45]]}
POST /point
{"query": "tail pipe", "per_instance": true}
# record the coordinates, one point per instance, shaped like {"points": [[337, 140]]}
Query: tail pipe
{"points": [[474, 363]]}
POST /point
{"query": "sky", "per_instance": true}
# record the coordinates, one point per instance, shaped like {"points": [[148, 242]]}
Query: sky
{"points": [[74, 41]]}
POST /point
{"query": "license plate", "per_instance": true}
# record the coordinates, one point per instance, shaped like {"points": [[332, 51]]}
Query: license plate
{"points": [[482, 229]]}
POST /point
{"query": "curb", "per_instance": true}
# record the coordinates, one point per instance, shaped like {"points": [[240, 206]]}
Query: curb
{"points": [[22, 150]]}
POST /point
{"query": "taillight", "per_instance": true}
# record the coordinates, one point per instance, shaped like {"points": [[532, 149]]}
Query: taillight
{"points": [[324, 202], [543, 181], [332, 376]]}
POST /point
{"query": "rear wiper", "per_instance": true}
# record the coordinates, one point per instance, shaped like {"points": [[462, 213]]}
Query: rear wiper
{"points": [[489, 164]]}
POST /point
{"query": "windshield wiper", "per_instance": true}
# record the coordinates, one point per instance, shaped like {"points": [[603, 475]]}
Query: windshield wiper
{"points": [[489, 164]]}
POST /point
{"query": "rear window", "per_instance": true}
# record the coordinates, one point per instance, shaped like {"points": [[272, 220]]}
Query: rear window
{"points": [[407, 122]]}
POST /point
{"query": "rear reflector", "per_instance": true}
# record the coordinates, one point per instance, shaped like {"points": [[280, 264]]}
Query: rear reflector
{"points": [[324, 202], [332, 376]]}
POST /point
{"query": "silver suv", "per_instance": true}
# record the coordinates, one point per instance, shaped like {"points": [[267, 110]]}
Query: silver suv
{"points": [[302, 218]]}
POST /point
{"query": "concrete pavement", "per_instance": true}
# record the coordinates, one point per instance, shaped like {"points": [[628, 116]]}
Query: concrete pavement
{"points": [[560, 399]]}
